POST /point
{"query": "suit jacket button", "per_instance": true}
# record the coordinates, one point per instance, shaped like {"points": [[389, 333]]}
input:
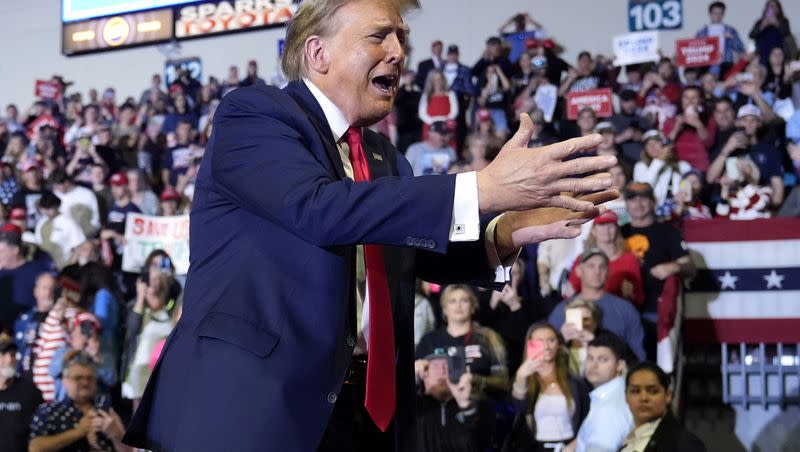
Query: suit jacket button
{"points": [[351, 341], [331, 398]]}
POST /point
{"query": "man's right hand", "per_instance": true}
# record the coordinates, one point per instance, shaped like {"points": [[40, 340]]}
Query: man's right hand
{"points": [[521, 178], [87, 422], [420, 367]]}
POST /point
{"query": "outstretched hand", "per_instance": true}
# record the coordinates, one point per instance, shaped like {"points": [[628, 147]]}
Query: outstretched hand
{"points": [[515, 229], [520, 178]]}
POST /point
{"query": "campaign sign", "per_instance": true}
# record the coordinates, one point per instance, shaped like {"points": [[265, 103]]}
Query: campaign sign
{"points": [[697, 52], [597, 99]]}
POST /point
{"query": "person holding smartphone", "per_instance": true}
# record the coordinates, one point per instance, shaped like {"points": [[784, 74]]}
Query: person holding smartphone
{"points": [[551, 404], [81, 421], [484, 352], [772, 30], [448, 417]]}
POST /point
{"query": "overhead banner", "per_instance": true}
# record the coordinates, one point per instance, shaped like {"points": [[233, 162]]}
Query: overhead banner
{"points": [[634, 48], [598, 99], [117, 32], [144, 234], [697, 52], [215, 17]]}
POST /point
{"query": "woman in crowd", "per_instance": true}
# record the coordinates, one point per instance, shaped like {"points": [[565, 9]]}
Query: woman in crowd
{"points": [[551, 404], [496, 97], [483, 348], [624, 274], [149, 321], [777, 84], [661, 168], [438, 102], [578, 337], [692, 130], [99, 295], [656, 429], [772, 30]]}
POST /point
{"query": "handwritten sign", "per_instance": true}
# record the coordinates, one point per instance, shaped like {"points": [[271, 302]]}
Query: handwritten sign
{"points": [[144, 233], [633, 48]]}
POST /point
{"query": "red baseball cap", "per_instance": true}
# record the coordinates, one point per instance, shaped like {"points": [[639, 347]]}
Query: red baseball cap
{"points": [[118, 180], [608, 217], [18, 213], [548, 44], [484, 114], [10, 227], [170, 194], [531, 43]]}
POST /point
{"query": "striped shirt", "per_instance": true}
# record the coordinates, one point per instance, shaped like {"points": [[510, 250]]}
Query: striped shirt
{"points": [[52, 336]]}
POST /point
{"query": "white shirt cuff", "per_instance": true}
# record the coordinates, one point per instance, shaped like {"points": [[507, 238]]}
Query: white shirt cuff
{"points": [[466, 223], [502, 270]]}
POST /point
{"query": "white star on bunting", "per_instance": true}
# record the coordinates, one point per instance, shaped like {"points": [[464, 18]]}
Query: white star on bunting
{"points": [[774, 280], [728, 281]]}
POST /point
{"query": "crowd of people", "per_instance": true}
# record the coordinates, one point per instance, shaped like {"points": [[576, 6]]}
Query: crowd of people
{"points": [[561, 359]]}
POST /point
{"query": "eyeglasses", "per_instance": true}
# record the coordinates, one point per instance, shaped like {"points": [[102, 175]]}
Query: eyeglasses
{"points": [[87, 378]]}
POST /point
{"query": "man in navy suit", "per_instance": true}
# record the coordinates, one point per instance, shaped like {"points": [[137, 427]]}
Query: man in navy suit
{"points": [[426, 66], [307, 233]]}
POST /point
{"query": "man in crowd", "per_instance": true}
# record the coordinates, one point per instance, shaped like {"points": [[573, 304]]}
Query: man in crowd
{"points": [[17, 276], [252, 75], [434, 155], [178, 158], [77, 202], [57, 233], [448, 419], [661, 251], [609, 420], [27, 327], [759, 149], [459, 80], [117, 215], [292, 183], [30, 190], [79, 422], [425, 66], [619, 316], [629, 124], [18, 400], [730, 45]]}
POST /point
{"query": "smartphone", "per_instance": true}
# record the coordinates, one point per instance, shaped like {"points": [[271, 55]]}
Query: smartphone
{"points": [[575, 317], [534, 349], [731, 169], [456, 363]]}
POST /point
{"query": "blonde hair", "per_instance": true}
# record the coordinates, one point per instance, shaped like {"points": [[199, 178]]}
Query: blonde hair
{"points": [[589, 305], [619, 242], [315, 17], [448, 291]]}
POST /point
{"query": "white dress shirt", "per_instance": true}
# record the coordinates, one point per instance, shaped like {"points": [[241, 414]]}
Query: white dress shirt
{"points": [[465, 224], [609, 420]]}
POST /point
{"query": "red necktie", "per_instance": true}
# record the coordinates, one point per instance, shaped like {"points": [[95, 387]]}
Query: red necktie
{"points": [[381, 396]]}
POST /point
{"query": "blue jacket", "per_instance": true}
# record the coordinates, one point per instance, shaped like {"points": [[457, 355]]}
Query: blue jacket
{"points": [[268, 326]]}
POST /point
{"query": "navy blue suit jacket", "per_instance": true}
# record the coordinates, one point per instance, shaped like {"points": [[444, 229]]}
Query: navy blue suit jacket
{"points": [[268, 324]]}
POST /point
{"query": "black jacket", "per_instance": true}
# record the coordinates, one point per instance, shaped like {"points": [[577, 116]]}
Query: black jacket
{"points": [[523, 436], [670, 436]]}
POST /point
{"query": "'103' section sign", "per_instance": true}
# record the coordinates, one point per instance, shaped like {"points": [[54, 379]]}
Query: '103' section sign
{"points": [[655, 15]]}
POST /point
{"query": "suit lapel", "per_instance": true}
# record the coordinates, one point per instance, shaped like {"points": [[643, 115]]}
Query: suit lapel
{"points": [[377, 160], [301, 94]]}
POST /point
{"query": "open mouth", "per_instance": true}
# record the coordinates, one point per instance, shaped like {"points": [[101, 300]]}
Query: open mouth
{"points": [[385, 83]]}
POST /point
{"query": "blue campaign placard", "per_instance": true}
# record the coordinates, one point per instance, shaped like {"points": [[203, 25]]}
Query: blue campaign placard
{"points": [[655, 15]]}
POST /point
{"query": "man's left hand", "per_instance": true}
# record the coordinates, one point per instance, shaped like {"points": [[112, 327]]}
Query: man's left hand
{"points": [[665, 270], [518, 228]]}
